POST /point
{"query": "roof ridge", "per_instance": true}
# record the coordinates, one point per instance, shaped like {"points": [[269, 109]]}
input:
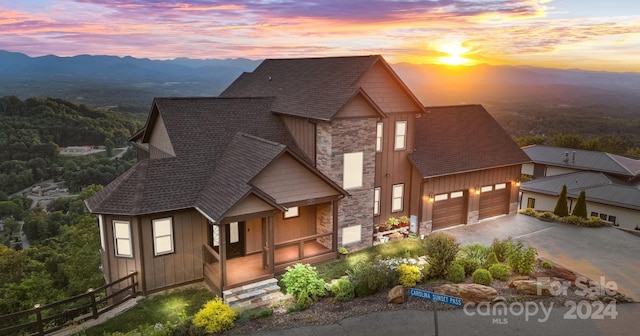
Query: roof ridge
{"points": [[255, 137]]}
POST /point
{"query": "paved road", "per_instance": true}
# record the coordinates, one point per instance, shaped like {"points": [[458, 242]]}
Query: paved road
{"points": [[461, 322], [592, 252]]}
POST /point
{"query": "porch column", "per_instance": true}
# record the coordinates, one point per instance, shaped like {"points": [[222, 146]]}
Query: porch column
{"points": [[271, 241], [223, 256], [334, 245]]}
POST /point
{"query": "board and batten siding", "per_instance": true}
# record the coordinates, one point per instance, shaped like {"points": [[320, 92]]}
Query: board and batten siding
{"points": [[118, 267], [304, 134], [393, 167], [160, 137], [185, 263], [289, 181], [386, 91]]}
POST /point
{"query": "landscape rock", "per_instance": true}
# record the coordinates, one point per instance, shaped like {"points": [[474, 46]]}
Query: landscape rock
{"points": [[533, 287], [396, 295], [468, 292], [517, 278]]}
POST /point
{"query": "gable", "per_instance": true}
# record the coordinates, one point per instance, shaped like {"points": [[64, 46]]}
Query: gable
{"points": [[251, 204], [359, 106], [386, 91], [288, 181], [159, 137]]}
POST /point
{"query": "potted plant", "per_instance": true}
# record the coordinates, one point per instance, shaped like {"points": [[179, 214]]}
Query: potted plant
{"points": [[343, 253], [392, 222], [404, 221]]}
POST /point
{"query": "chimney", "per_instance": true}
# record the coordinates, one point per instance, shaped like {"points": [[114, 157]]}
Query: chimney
{"points": [[566, 157], [574, 156]]}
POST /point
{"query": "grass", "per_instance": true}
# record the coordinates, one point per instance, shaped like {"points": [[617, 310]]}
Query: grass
{"points": [[396, 248], [160, 308]]}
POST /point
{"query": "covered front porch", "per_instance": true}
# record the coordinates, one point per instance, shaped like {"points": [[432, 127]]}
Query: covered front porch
{"points": [[308, 237]]}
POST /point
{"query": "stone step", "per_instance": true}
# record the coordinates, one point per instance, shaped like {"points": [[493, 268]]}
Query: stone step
{"points": [[256, 295]]}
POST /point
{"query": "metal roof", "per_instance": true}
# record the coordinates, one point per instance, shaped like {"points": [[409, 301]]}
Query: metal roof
{"points": [[583, 160], [598, 187]]}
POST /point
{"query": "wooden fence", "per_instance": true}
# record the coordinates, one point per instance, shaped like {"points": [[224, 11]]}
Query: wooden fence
{"points": [[42, 320]]}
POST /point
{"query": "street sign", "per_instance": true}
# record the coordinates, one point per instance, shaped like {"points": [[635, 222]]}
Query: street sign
{"points": [[435, 297]]}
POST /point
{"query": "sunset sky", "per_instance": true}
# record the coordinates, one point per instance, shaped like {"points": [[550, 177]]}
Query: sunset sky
{"points": [[586, 34]]}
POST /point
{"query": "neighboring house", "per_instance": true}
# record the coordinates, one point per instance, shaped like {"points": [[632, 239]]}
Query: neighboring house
{"points": [[610, 182], [290, 162]]}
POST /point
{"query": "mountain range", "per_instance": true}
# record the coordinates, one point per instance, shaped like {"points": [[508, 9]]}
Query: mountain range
{"points": [[130, 84]]}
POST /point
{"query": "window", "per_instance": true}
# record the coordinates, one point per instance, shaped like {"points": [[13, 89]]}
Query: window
{"points": [[353, 165], [401, 135], [101, 226], [162, 236], [396, 200], [291, 212], [379, 129], [594, 214], [376, 201], [603, 216], [612, 219], [351, 234], [216, 236], [441, 197], [457, 194], [122, 238], [500, 186], [486, 188], [531, 203]]}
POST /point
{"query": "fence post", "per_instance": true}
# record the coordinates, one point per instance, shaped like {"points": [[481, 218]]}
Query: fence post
{"points": [[132, 276], [94, 308], [39, 319]]}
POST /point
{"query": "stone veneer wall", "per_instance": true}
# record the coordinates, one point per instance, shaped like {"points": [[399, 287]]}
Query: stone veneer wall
{"points": [[333, 140], [324, 223]]}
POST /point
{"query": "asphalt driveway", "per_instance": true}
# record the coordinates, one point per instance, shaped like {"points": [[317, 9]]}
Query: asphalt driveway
{"points": [[592, 252]]}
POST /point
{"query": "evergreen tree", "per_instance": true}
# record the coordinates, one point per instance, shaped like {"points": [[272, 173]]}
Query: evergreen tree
{"points": [[561, 207], [580, 209]]}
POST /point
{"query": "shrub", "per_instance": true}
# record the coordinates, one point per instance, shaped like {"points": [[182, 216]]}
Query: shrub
{"points": [[549, 216], [474, 251], [343, 290], [482, 276], [547, 264], [215, 316], [455, 273], [529, 212], [561, 209], [303, 283], [409, 275], [593, 221], [369, 278], [441, 250], [580, 210], [468, 264], [573, 220], [492, 259], [522, 260], [500, 271], [501, 248]]}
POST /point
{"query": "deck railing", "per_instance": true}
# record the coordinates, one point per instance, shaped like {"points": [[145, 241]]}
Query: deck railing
{"points": [[212, 267], [42, 320], [300, 242]]}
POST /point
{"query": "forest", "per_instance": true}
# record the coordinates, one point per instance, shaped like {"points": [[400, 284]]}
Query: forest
{"points": [[31, 131]]}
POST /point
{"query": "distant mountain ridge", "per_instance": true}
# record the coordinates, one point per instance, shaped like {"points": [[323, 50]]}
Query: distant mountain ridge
{"points": [[129, 84]]}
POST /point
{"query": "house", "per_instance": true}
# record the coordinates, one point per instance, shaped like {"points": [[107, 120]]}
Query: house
{"points": [[290, 162], [610, 182]]}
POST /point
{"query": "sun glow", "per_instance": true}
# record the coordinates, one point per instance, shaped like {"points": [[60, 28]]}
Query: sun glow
{"points": [[455, 53]]}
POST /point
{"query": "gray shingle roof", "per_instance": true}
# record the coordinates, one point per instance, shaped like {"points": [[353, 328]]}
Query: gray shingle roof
{"points": [[584, 160], [220, 143], [316, 88], [599, 188], [462, 138]]}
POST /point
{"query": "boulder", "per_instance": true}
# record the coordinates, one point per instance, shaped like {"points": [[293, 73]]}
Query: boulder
{"points": [[517, 278], [468, 292], [396, 295], [534, 287]]}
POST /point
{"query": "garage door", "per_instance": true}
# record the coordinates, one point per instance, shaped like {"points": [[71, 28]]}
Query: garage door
{"points": [[494, 200], [449, 209]]}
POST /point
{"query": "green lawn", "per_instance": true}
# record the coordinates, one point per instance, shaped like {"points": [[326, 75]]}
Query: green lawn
{"points": [[172, 307]]}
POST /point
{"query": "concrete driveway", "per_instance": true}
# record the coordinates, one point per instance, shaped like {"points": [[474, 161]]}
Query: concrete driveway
{"points": [[592, 252]]}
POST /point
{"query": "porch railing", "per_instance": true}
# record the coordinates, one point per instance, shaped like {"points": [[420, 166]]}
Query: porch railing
{"points": [[301, 243], [42, 320], [212, 267]]}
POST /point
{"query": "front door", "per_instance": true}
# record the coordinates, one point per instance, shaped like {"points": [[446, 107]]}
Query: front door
{"points": [[235, 240]]}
